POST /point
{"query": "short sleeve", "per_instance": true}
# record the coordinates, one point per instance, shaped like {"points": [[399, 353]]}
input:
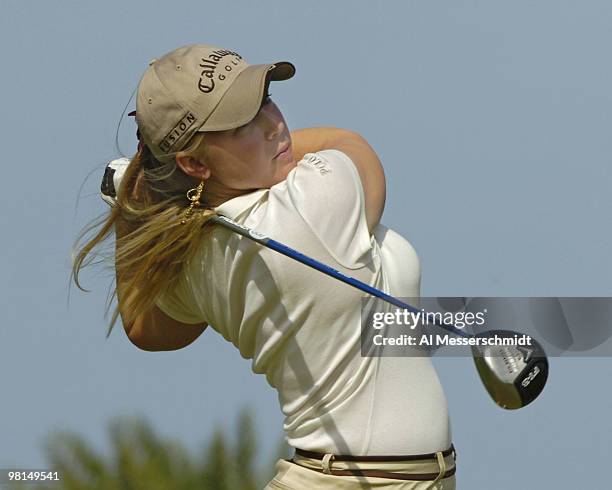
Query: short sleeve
{"points": [[179, 303], [326, 191]]}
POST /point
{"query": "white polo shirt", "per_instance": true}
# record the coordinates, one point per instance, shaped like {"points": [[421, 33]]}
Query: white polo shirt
{"points": [[301, 328]]}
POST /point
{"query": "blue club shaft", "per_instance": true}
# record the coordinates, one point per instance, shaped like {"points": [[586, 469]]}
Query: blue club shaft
{"points": [[325, 269]]}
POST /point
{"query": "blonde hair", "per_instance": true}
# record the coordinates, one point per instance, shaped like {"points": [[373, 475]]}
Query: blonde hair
{"points": [[153, 245]]}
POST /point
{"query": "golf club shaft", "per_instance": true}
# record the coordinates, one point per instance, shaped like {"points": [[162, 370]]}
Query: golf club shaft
{"points": [[325, 269]]}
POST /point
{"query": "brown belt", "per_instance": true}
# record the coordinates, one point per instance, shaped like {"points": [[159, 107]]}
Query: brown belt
{"points": [[379, 473], [375, 459]]}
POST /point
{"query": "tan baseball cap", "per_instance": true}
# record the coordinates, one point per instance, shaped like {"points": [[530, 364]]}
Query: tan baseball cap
{"points": [[199, 88]]}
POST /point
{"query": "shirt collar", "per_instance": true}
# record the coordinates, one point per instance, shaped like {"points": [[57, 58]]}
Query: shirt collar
{"points": [[238, 205]]}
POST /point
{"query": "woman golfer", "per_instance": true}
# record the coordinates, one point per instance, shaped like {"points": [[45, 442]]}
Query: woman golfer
{"points": [[213, 142]]}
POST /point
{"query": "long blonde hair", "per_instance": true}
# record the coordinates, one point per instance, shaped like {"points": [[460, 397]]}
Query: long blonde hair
{"points": [[153, 245]]}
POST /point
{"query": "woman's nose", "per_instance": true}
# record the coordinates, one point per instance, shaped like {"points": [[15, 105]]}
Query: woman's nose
{"points": [[273, 120]]}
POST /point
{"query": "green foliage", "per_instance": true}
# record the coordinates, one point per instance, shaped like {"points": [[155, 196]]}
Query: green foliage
{"points": [[142, 460]]}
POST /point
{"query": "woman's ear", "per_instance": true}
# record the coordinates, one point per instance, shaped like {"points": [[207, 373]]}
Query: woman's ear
{"points": [[192, 166]]}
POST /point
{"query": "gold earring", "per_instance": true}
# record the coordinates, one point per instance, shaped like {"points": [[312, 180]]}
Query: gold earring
{"points": [[194, 196]]}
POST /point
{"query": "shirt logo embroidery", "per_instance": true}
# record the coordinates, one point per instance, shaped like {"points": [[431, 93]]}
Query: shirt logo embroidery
{"points": [[319, 164]]}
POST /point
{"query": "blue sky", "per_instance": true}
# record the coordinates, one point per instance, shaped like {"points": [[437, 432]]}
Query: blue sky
{"points": [[492, 120]]}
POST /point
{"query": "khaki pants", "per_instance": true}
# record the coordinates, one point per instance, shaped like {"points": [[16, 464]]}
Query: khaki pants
{"points": [[304, 476]]}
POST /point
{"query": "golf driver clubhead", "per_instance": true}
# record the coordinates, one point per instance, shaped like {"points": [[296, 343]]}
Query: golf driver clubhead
{"points": [[514, 376]]}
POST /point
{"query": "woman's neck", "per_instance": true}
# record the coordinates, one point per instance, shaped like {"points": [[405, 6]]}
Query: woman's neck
{"points": [[216, 194]]}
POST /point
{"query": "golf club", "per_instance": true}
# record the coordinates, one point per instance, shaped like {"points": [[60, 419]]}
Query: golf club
{"points": [[513, 376]]}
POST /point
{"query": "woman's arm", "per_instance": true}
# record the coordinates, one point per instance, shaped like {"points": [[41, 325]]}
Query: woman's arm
{"points": [[311, 140], [153, 330], [359, 151], [156, 331]]}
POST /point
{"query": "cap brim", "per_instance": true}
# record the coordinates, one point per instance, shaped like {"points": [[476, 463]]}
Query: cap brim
{"points": [[242, 101]]}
